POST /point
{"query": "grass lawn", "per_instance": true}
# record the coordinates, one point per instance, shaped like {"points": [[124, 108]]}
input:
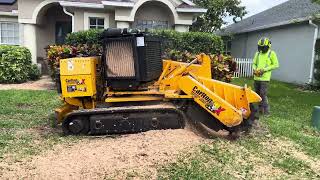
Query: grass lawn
{"points": [[24, 122], [285, 147]]}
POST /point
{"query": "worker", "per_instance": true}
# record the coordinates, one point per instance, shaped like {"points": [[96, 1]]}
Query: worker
{"points": [[265, 61]]}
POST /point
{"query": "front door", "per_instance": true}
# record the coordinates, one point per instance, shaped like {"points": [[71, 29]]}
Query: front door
{"points": [[63, 28]]}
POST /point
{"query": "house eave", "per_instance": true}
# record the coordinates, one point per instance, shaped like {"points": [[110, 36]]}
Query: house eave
{"points": [[81, 5], [284, 23], [191, 10], [118, 4], [12, 13], [189, 2]]}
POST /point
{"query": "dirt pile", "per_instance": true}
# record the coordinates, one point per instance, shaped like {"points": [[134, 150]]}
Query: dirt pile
{"points": [[135, 155]]}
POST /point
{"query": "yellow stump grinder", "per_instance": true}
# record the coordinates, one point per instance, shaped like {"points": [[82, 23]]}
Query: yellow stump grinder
{"points": [[130, 89]]}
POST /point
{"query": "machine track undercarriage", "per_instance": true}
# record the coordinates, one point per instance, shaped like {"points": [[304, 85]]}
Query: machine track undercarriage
{"points": [[151, 116]]}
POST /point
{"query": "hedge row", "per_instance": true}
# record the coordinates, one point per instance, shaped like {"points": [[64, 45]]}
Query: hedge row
{"points": [[89, 37], [16, 65], [193, 42]]}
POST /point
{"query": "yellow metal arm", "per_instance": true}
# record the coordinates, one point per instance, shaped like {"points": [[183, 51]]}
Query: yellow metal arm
{"points": [[210, 101]]}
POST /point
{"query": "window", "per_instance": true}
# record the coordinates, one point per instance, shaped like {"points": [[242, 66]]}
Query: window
{"points": [[96, 23], [95, 20], [228, 45], [151, 24], [9, 33]]}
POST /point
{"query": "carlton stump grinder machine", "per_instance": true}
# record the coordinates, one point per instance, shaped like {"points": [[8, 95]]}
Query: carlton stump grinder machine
{"points": [[130, 89]]}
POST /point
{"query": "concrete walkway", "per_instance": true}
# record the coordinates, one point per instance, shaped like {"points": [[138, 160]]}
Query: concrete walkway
{"points": [[45, 83]]}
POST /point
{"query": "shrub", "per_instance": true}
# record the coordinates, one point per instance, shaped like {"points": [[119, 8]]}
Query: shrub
{"points": [[193, 42], [92, 36], [34, 73], [223, 67], [16, 65]]}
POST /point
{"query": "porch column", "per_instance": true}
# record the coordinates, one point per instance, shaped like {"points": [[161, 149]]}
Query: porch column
{"points": [[30, 40], [123, 24], [181, 28]]}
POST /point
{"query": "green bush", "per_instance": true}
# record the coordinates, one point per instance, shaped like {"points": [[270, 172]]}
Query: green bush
{"points": [[193, 42], [34, 73], [92, 36], [16, 65]]}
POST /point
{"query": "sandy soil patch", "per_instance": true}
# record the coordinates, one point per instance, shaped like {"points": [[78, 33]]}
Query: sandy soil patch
{"points": [[261, 168], [45, 83], [278, 145], [136, 155]]}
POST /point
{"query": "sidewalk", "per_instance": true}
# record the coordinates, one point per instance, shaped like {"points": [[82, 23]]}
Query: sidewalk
{"points": [[45, 83]]}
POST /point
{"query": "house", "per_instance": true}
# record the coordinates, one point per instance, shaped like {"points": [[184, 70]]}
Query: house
{"points": [[38, 23], [294, 31]]}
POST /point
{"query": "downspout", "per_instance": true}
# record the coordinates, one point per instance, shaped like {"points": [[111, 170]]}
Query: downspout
{"points": [[69, 14], [313, 50]]}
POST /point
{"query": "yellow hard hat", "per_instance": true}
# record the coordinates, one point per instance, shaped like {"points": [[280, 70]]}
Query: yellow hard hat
{"points": [[264, 44]]}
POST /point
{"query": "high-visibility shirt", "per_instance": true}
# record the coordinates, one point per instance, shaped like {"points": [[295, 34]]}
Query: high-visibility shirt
{"points": [[266, 61]]}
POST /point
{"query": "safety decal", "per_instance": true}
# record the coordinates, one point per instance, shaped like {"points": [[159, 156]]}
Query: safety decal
{"points": [[76, 81], [209, 103], [70, 66]]}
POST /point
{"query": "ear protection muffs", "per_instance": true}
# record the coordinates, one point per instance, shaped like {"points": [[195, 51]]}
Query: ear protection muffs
{"points": [[264, 44]]}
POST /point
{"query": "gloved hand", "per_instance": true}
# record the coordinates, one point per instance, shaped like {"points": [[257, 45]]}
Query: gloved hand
{"points": [[258, 72]]}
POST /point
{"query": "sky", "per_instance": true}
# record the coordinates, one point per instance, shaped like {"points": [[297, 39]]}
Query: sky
{"points": [[256, 6]]}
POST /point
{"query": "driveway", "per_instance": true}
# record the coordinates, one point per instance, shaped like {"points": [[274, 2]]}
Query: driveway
{"points": [[45, 83]]}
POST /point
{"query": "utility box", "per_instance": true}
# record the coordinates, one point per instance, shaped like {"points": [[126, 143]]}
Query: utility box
{"points": [[316, 117], [78, 77]]}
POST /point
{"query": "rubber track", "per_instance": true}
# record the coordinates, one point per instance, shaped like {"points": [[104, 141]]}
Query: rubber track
{"points": [[87, 113]]}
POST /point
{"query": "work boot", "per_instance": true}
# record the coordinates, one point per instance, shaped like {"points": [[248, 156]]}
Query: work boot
{"points": [[256, 125], [267, 114], [261, 110], [266, 111]]}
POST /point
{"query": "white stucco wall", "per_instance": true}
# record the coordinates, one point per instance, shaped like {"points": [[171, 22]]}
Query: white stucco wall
{"points": [[8, 18], [123, 24], [81, 15], [78, 19], [294, 47], [181, 28], [155, 11]]}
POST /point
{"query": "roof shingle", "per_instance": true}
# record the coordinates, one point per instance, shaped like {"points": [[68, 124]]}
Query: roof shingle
{"points": [[8, 7], [7, 1], [285, 12]]}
